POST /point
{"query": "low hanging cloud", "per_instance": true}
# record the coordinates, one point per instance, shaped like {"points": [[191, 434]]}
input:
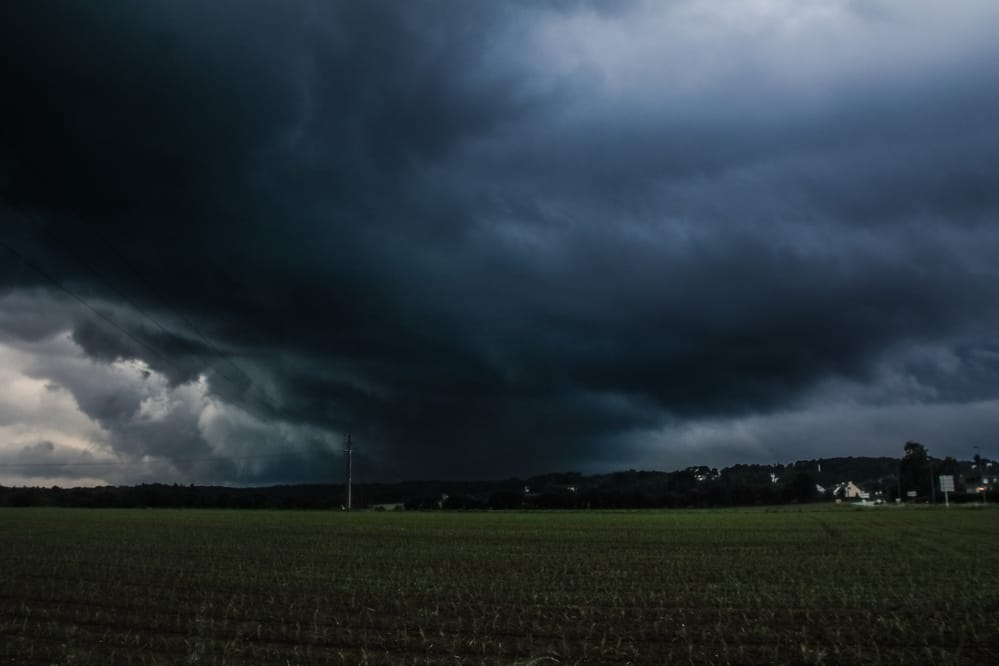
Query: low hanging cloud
{"points": [[67, 414], [496, 239]]}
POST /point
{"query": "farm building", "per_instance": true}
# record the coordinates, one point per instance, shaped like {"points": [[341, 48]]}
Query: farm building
{"points": [[850, 490]]}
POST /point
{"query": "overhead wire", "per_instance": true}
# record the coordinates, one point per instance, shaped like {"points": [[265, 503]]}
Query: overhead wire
{"points": [[123, 463], [95, 231], [244, 379], [191, 327], [36, 267], [50, 278], [165, 302], [62, 287], [239, 386]]}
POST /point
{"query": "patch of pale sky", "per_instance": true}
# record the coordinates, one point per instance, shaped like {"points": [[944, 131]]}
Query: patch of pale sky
{"points": [[32, 405], [803, 50]]}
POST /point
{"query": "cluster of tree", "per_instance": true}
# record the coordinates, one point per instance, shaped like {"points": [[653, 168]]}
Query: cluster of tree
{"points": [[700, 486], [302, 496], [158, 495], [638, 490], [919, 473]]}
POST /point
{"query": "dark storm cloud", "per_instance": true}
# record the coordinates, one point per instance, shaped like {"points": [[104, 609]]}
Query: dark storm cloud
{"points": [[491, 239]]}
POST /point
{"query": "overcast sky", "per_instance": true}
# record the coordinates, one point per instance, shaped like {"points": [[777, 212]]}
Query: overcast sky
{"points": [[493, 238]]}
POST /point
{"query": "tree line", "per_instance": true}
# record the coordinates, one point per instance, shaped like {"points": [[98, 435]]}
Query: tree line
{"points": [[698, 486]]}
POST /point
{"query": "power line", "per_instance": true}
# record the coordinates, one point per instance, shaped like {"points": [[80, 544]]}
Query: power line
{"points": [[238, 386], [164, 301], [55, 281], [50, 278], [143, 314], [124, 463], [108, 320], [244, 379], [95, 231], [348, 450]]}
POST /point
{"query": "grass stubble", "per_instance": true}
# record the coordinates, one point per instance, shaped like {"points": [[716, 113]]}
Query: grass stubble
{"points": [[811, 586]]}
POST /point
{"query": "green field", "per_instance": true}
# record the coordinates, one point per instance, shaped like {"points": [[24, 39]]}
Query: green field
{"points": [[843, 585]]}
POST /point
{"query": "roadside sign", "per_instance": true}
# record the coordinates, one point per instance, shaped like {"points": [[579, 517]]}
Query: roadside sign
{"points": [[947, 486], [910, 493]]}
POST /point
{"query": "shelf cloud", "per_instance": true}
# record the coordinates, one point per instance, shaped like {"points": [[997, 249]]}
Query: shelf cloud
{"points": [[493, 239]]}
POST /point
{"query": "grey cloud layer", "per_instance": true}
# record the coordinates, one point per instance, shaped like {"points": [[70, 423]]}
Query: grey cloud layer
{"points": [[496, 239]]}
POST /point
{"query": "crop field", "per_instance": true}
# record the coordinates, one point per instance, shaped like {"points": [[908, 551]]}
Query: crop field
{"points": [[827, 585]]}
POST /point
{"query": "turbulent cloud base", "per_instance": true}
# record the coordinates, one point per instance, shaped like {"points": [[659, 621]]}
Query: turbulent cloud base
{"points": [[493, 239]]}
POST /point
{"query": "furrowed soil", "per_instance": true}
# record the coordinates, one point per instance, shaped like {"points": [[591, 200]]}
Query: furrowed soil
{"points": [[819, 585]]}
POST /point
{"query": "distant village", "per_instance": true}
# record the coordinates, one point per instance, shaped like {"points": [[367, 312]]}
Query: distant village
{"points": [[859, 480], [916, 478]]}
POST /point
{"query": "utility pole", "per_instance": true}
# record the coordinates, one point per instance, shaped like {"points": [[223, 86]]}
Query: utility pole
{"points": [[981, 473], [898, 497], [348, 451], [933, 486]]}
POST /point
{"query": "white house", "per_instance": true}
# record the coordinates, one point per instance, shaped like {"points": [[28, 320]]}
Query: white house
{"points": [[850, 490]]}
